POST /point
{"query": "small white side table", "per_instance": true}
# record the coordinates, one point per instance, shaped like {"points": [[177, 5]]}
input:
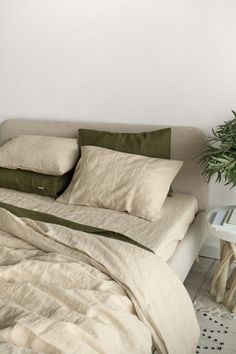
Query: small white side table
{"points": [[221, 280]]}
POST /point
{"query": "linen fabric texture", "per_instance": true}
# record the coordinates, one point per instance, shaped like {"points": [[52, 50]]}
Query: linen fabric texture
{"points": [[43, 154], [126, 182], [162, 236], [66, 291], [33, 182], [156, 143]]}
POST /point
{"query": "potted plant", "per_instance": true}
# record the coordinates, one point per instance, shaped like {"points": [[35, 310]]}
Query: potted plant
{"points": [[219, 155]]}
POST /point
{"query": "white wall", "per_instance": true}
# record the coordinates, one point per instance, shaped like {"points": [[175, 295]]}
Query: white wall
{"points": [[153, 61]]}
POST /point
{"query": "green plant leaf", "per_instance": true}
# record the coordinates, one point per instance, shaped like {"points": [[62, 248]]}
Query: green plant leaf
{"points": [[219, 154]]}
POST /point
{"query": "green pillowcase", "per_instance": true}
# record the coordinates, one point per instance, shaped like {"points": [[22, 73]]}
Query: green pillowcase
{"points": [[151, 144], [156, 143], [33, 182]]}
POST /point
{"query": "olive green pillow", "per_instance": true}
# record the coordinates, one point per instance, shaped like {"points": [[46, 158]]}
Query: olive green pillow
{"points": [[33, 182], [156, 143]]}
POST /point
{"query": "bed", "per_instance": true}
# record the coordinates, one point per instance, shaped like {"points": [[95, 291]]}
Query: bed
{"points": [[180, 226]]}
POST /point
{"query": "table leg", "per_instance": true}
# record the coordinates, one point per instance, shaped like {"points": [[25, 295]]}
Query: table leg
{"points": [[230, 294], [231, 279], [231, 283], [218, 284]]}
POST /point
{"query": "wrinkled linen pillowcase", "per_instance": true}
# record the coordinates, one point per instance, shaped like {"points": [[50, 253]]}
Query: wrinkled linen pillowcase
{"points": [[156, 143], [33, 182], [126, 182], [43, 154]]}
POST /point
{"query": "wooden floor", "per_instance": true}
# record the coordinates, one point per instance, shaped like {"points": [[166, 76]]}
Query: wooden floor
{"points": [[199, 275]]}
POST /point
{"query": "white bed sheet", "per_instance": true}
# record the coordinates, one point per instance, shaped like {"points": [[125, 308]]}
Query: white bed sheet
{"points": [[162, 236]]}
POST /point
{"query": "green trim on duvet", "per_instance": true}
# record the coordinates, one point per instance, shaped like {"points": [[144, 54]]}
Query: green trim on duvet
{"points": [[52, 219]]}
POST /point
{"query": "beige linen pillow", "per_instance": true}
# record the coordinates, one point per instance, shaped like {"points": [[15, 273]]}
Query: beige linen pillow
{"points": [[44, 154], [125, 182]]}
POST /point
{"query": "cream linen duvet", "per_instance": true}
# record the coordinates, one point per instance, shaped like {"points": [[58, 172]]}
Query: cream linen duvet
{"points": [[67, 291]]}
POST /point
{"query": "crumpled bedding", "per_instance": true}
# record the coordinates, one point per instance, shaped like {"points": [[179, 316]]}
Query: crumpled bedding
{"points": [[65, 291], [162, 236]]}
